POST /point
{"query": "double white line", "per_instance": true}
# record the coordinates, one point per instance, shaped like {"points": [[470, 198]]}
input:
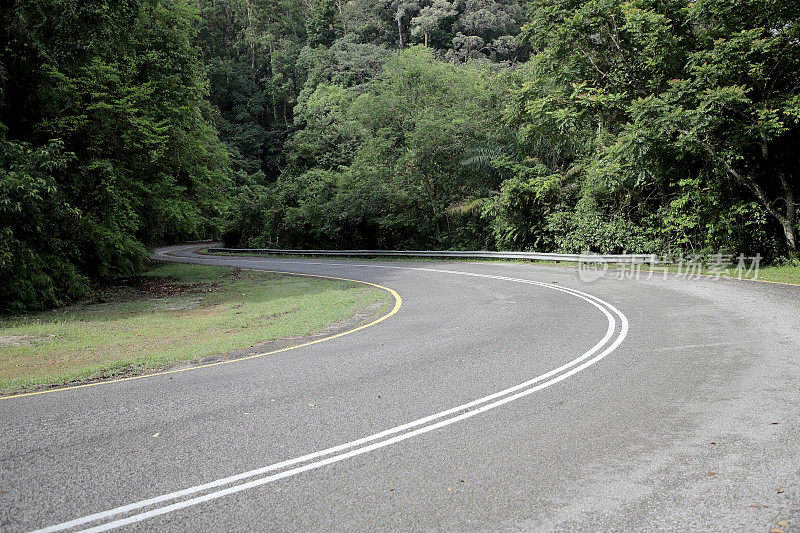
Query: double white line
{"points": [[174, 501]]}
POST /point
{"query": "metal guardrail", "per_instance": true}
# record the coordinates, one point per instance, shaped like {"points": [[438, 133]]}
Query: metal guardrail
{"points": [[536, 256]]}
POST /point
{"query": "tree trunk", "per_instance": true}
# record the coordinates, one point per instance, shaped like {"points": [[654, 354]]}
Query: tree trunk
{"points": [[791, 238], [251, 36], [787, 218], [791, 216], [341, 14], [426, 39], [400, 31]]}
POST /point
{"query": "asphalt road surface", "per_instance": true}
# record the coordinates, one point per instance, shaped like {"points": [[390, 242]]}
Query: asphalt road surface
{"points": [[497, 397]]}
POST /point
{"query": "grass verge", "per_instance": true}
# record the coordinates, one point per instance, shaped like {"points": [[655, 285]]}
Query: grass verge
{"points": [[171, 314], [775, 274]]}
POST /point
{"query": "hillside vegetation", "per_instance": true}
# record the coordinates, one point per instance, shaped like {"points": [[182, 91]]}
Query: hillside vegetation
{"points": [[665, 126]]}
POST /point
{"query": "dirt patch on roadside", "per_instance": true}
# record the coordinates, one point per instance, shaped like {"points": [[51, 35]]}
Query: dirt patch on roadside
{"points": [[138, 288], [10, 341]]}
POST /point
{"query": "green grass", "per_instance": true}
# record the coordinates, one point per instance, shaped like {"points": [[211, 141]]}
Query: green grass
{"points": [[183, 273], [778, 274], [186, 312]]}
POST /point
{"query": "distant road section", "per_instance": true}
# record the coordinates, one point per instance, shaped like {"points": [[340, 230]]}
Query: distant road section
{"points": [[534, 256]]}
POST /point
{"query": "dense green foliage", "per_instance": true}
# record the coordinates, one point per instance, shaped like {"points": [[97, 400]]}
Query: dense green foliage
{"points": [[107, 140], [672, 124], [550, 125], [379, 166], [636, 126]]}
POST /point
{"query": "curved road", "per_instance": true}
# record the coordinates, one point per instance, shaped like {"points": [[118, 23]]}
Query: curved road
{"points": [[499, 396]]}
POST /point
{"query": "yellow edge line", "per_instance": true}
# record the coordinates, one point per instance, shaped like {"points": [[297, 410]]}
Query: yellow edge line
{"points": [[398, 302], [775, 282]]}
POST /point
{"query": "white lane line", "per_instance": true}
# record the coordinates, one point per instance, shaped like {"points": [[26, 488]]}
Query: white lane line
{"points": [[341, 457], [238, 477]]}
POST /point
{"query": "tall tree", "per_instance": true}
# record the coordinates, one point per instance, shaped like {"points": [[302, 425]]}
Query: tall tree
{"points": [[489, 18], [322, 23], [431, 16], [404, 11]]}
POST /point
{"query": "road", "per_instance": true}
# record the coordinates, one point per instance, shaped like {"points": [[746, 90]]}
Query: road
{"points": [[497, 397]]}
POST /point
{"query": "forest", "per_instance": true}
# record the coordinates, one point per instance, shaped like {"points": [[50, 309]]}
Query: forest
{"points": [[646, 126]]}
